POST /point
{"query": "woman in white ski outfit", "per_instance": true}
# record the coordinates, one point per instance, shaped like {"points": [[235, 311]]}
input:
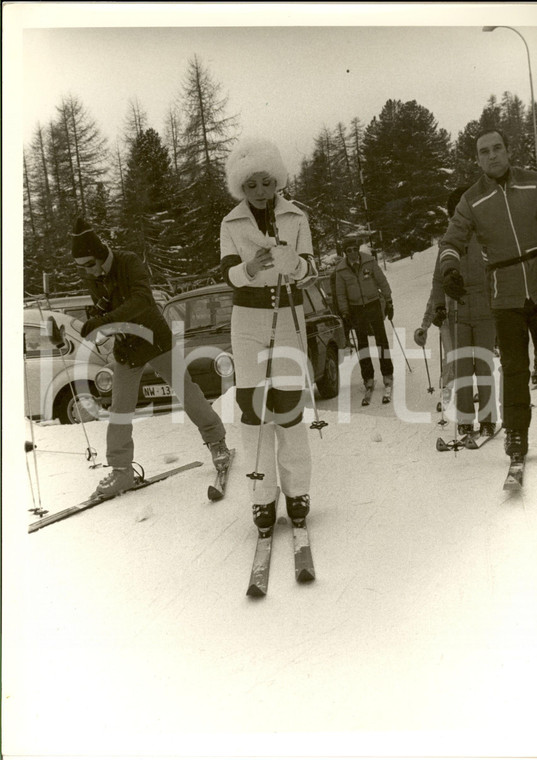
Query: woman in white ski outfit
{"points": [[251, 263]]}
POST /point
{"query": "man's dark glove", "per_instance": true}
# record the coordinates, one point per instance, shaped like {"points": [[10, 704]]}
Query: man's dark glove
{"points": [[92, 324], [439, 315], [453, 285], [389, 310]]}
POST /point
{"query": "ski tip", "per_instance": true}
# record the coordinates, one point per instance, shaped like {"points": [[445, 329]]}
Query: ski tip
{"points": [[512, 485], [470, 443], [214, 494], [255, 592], [305, 576]]}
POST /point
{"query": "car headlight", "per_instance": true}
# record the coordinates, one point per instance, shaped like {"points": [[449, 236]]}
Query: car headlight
{"points": [[103, 380], [223, 365]]}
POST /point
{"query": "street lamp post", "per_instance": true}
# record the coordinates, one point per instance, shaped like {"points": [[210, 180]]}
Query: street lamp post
{"points": [[491, 29]]}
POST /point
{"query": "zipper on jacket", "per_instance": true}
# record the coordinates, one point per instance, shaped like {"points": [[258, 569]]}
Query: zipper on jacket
{"points": [[504, 190]]}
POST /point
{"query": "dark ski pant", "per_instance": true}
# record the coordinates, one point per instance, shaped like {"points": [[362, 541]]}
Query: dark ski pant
{"points": [[363, 317], [512, 329], [172, 368], [475, 357]]}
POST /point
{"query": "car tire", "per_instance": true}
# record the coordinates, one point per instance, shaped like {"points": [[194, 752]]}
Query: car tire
{"points": [[328, 385], [65, 407]]}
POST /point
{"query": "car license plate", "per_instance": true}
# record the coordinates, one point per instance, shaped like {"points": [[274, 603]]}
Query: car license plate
{"points": [[156, 391]]}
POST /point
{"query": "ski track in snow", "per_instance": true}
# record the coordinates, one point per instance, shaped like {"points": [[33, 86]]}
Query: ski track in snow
{"points": [[135, 636]]}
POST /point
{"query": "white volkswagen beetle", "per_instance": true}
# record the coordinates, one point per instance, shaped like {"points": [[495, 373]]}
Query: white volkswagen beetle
{"points": [[70, 382]]}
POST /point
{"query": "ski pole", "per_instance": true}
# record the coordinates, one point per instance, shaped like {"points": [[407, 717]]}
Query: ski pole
{"points": [[442, 421], [430, 389], [353, 341], [456, 361], [56, 336], [456, 443], [400, 346], [256, 475], [317, 424], [39, 509]]}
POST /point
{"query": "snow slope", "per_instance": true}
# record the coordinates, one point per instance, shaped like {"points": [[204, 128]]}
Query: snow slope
{"points": [[129, 632]]}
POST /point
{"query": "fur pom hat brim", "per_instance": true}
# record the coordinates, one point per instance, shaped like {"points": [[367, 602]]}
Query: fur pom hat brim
{"points": [[249, 157]]}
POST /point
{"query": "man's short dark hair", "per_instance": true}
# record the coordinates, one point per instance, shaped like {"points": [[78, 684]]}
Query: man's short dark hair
{"points": [[491, 131]]}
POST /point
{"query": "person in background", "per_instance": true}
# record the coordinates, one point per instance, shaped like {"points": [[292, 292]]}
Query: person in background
{"points": [[120, 287], [335, 306], [252, 263], [360, 282], [473, 336], [501, 210]]}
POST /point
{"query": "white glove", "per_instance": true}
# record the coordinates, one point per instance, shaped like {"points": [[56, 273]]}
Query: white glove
{"points": [[285, 259]]}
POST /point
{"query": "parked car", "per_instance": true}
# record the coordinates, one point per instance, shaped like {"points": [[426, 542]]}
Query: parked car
{"points": [[67, 382], [78, 306], [74, 382], [204, 315]]}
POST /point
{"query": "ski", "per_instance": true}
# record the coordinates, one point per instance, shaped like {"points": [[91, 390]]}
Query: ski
{"points": [[217, 491], [304, 568], [515, 474], [478, 441], [387, 395], [259, 575], [93, 502]]}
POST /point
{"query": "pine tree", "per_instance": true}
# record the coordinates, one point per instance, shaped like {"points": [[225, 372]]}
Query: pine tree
{"points": [[206, 141], [64, 165], [148, 190], [407, 168], [325, 185]]}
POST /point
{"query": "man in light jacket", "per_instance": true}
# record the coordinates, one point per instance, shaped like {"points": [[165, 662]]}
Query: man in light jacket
{"points": [[359, 285], [501, 209]]}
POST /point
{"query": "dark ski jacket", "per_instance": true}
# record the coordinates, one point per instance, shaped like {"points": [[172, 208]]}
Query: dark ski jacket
{"points": [[123, 297], [504, 220]]}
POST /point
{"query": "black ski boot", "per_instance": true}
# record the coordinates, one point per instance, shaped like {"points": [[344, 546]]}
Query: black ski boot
{"points": [[516, 443], [264, 518], [464, 429], [298, 508], [487, 429]]}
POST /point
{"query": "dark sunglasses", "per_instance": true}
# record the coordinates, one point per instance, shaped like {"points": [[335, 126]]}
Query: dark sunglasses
{"points": [[87, 265]]}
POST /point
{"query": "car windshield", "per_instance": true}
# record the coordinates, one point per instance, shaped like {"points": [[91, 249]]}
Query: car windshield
{"points": [[210, 311]]}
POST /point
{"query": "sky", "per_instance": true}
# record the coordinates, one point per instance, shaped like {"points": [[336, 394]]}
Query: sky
{"points": [[288, 70]]}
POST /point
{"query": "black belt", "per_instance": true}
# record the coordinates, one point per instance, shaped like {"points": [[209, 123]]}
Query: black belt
{"points": [[511, 262], [265, 297]]}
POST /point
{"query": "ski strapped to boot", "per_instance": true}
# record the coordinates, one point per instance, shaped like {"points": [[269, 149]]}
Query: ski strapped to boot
{"points": [[259, 575], [93, 502], [217, 491]]}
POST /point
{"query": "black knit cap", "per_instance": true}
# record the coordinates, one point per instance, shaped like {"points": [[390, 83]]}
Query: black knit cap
{"points": [[86, 242], [350, 240]]}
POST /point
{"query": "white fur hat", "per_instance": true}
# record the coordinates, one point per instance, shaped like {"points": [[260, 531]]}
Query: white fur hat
{"points": [[250, 156]]}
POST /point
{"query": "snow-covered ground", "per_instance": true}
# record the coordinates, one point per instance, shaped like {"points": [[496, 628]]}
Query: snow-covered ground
{"points": [[127, 631]]}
